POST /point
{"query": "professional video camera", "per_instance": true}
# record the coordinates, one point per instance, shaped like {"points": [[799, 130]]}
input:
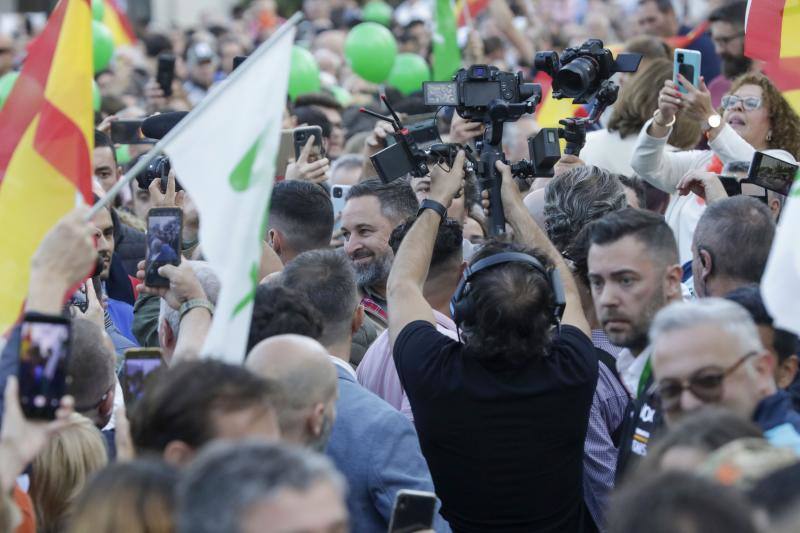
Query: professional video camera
{"points": [[411, 149]]}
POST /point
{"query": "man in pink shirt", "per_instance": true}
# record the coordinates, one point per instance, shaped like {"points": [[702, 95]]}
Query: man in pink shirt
{"points": [[376, 371]]}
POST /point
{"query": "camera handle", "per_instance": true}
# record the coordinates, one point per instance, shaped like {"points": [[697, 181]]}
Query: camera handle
{"points": [[574, 132], [490, 179]]}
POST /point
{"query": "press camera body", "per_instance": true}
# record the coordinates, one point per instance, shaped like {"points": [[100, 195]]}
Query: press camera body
{"points": [[157, 169]]}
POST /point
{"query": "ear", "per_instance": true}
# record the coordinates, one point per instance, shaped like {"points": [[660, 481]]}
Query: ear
{"points": [[764, 364], [107, 405], [316, 420], [706, 263], [178, 453], [775, 207], [787, 371], [672, 280], [120, 172], [274, 240], [358, 319]]}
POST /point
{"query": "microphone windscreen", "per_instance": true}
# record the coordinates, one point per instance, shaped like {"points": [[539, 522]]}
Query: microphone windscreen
{"points": [[157, 126]]}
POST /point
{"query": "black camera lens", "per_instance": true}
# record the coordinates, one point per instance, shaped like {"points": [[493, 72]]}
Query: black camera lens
{"points": [[577, 77], [337, 193], [680, 57]]}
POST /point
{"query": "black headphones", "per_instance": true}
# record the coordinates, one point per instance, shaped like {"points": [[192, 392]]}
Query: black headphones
{"points": [[461, 306]]}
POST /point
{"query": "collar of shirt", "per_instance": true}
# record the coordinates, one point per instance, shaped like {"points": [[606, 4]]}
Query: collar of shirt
{"points": [[444, 321], [346, 366], [600, 340], [630, 368]]}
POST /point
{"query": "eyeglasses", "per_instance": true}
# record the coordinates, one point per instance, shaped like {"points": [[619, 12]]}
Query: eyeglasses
{"points": [[705, 383], [750, 103], [723, 41]]}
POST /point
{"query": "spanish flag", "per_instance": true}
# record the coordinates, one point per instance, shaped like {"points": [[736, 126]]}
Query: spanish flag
{"points": [[46, 142], [466, 10], [779, 50], [551, 110], [117, 21]]}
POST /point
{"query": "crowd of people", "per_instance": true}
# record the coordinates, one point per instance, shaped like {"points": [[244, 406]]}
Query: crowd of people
{"points": [[607, 364]]}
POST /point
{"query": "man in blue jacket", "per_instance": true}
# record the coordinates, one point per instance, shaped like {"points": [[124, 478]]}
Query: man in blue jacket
{"points": [[372, 444], [709, 352]]}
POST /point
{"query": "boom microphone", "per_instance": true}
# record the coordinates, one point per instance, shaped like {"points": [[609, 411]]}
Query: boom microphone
{"points": [[157, 126]]}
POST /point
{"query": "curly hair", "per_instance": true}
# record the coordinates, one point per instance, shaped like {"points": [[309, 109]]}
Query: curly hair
{"points": [[512, 306], [783, 119], [639, 100]]}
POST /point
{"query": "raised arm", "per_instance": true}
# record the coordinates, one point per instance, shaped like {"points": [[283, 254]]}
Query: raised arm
{"points": [[410, 267], [530, 235]]}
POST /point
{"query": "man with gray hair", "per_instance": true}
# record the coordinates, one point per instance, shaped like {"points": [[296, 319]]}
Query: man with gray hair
{"points": [[731, 245], [265, 488], [308, 386], [709, 352], [192, 285]]}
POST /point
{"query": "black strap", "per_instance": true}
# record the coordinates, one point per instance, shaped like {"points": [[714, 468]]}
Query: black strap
{"points": [[440, 209]]}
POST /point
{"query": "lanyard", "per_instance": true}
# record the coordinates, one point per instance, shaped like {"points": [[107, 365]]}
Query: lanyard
{"points": [[644, 378]]}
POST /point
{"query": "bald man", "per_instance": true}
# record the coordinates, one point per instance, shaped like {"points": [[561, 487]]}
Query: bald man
{"points": [[308, 386]]}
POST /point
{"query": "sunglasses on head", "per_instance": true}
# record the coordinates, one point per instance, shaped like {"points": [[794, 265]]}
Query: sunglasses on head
{"points": [[750, 103], [705, 383]]}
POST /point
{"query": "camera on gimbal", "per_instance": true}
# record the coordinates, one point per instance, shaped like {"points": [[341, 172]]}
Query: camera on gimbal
{"points": [[473, 90], [157, 169], [581, 72]]}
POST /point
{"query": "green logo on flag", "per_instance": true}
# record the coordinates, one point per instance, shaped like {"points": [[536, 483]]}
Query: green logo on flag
{"points": [[250, 296], [241, 177]]}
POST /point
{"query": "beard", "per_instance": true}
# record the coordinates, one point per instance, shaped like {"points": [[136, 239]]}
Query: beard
{"points": [[637, 336], [374, 272], [733, 67]]}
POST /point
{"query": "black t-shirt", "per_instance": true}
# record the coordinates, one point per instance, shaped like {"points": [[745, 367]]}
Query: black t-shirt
{"points": [[504, 445]]}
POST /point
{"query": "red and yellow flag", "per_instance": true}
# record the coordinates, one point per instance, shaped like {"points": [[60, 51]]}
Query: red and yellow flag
{"points": [[771, 36], [551, 110], [46, 144], [117, 21], [466, 10]]}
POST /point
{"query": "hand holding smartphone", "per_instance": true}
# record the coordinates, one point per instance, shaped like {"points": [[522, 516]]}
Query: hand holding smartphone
{"points": [[686, 63], [140, 364], [43, 365], [301, 136], [164, 230]]}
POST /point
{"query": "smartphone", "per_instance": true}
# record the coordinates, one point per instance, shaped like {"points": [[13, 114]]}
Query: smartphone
{"points": [[413, 510], [43, 363], [139, 364], [338, 196], [772, 173], [301, 136], [165, 74], [285, 152], [687, 63], [164, 229], [129, 132], [238, 60]]}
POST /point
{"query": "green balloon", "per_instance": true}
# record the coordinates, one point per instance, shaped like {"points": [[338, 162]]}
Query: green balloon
{"points": [[303, 74], [98, 10], [408, 73], [123, 154], [102, 45], [95, 96], [371, 49], [6, 84], [342, 95], [377, 11]]}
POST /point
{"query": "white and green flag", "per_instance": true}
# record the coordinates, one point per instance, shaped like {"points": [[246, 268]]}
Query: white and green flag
{"points": [[224, 155]]}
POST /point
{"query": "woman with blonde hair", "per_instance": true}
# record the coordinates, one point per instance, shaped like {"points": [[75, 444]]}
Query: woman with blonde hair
{"points": [[753, 116], [135, 497], [60, 471]]}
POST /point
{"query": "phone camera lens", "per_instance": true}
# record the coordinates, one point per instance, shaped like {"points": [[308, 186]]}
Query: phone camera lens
{"points": [[337, 193], [680, 57]]}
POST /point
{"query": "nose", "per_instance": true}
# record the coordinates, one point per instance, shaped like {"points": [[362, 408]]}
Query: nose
{"points": [[352, 244], [690, 402], [738, 106], [607, 297]]}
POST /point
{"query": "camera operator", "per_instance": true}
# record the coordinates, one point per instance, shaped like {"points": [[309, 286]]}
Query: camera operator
{"points": [[511, 404]]}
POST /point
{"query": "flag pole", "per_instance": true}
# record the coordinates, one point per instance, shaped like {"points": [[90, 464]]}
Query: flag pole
{"points": [[158, 148]]}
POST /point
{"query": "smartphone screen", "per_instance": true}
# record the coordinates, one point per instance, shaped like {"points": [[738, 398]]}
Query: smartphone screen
{"points": [[413, 511], [166, 73], [139, 364], [301, 136], [43, 362], [164, 228], [772, 173]]}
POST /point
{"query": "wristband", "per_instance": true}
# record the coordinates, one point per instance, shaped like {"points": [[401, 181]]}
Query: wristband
{"points": [[666, 126], [440, 209], [192, 304]]}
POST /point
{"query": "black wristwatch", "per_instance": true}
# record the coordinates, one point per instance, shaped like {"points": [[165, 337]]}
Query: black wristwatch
{"points": [[434, 205]]}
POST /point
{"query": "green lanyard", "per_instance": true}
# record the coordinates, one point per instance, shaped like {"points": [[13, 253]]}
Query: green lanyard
{"points": [[644, 378]]}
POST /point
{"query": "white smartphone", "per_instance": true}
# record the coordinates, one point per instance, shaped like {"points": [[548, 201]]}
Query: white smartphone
{"points": [[338, 197], [413, 511]]}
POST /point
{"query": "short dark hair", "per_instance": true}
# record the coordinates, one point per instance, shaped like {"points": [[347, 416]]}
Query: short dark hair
{"points": [[303, 212], [636, 184], [397, 198], [659, 503], [326, 278], [512, 306], [447, 248], [313, 117], [318, 99], [749, 296], [101, 140], [733, 13], [737, 232], [664, 6], [279, 310], [648, 228], [91, 364], [179, 404], [778, 492]]}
